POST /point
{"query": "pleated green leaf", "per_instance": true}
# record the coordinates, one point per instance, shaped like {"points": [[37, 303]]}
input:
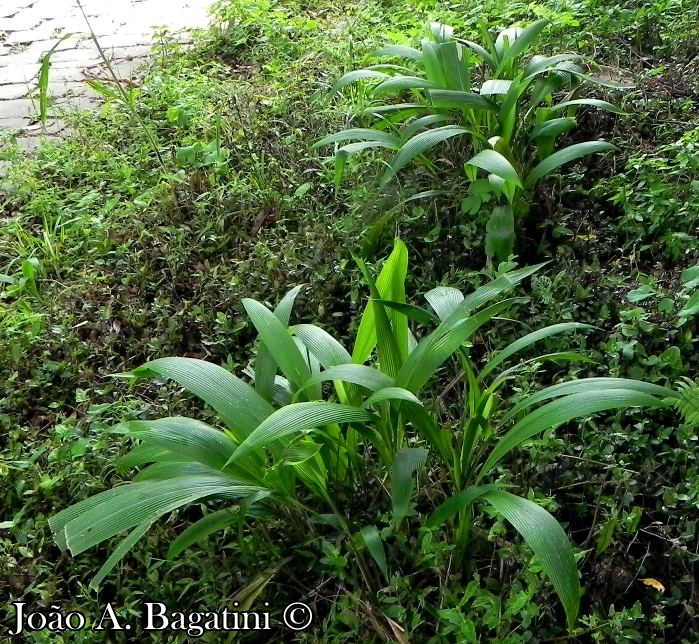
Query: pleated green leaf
{"points": [[540, 64], [422, 123], [359, 134], [184, 436], [452, 506], [297, 418], [419, 144], [545, 536], [566, 155], [444, 300], [400, 51], [553, 127], [500, 232], [240, 407], [433, 350], [563, 410], [390, 285], [481, 52], [453, 99], [495, 86], [455, 65], [374, 544], [524, 39], [265, 365], [357, 374], [109, 513], [391, 393], [200, 530], [279, 342], [387, 351], [357, 74], [528, 340], [327, 350], [407, 461], [487, 292], [588, 384], [120, 552], [497, 164], [142, 454], [395, 84], [589, 102]]}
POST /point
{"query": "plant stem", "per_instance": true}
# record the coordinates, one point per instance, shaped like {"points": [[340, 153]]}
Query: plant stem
{"points": [[122, 91]]}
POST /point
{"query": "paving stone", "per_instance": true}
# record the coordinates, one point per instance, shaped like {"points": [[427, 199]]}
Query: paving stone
{"points": [[19, 74], [16, 90], [29, 143], [76, 57], [13, 123], [15, 107], [63, 88], [34, 51], [30, 28], [129, 53]]}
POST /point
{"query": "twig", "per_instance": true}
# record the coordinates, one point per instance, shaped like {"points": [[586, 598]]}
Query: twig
{"points": [[121, 89]]}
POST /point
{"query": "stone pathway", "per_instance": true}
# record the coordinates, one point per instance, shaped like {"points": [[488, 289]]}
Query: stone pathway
{"points": [[30, 28]]}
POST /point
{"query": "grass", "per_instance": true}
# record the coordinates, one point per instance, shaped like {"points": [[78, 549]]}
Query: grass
{"points": [[109, 259]]}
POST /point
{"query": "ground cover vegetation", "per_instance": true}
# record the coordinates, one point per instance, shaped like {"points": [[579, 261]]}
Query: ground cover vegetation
{"points": [[220, 378]]}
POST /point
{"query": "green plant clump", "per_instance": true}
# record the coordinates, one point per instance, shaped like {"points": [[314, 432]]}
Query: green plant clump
{"points": [[284, 434], [512, 106]]}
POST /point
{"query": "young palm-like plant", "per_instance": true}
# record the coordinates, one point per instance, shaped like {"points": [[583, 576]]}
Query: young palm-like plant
{"points": [[511, 106], [317, 412]]}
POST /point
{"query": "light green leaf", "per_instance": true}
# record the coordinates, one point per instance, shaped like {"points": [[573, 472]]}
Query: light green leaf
{"points": [[420, 124], [396, 84], [553, 127], [400, 51], [563, 410], [327, 350], [528, 340], [545, 536], [390, 285], [279, 343], [89, 522], [566, 155], [444, 300], [380, 137], [500, 233], [540, 64], [590, 102], [495, 163], [374, 544], [357, 74], [455, 504], [495, 86], [236, 402], [185, 437], [265, 365], [297, 418], [519, 41], [391, 393], [357, 374], [119, 553], [455, 66], [588, 384], [207, 525], [445, 99], [407, 461], [420, 144], [480, 51], [433, 350]]}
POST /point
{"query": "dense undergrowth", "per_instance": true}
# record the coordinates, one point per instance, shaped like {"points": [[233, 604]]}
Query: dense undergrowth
{"points": [[111, 259]]}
